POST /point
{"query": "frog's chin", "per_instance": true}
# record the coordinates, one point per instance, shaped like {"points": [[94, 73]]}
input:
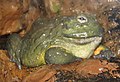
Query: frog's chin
{"points": [[85, 40]]}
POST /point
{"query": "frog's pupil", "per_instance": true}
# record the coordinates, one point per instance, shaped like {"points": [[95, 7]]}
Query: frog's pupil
{"points": [[82, 18]]}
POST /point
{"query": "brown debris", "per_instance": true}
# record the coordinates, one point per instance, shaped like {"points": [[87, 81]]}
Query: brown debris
{"points": [[8, 70], [16, 15], [10, 13], [85, 68], [30, 14], [41, 75]]}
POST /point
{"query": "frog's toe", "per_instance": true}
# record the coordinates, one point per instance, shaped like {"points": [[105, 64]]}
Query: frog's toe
{"points": [[105, 54], [12, 59], [18, 62], [19, 66], [57, 55]]}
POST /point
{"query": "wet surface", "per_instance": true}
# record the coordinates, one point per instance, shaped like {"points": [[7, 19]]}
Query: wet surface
{"points": [[108, 13]]}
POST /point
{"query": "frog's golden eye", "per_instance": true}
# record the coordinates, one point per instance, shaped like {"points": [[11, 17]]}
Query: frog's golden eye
{"points": [[82, 19]]}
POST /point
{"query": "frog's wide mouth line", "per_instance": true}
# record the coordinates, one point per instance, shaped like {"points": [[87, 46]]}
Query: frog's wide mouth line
{"points": [[82, 35], [85, 40]]}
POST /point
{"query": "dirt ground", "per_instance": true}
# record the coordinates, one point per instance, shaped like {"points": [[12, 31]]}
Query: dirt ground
{"points": [[18, 16]]}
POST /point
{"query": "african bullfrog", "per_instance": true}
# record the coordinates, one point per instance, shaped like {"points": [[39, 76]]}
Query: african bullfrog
{"points": [[56, 41]]}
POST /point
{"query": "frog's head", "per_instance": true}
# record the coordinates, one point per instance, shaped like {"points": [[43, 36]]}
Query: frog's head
{"points": [[81, 26]]}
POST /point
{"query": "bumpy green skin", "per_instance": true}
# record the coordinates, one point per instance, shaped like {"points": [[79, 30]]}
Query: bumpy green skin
{"points": [[72, 37]]}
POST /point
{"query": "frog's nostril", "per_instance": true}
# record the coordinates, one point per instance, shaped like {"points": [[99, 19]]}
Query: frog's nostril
{"points": [[82, 19]]}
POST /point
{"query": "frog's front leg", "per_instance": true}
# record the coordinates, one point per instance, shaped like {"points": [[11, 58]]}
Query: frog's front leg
{"points": [[13, 48], [103, 52], [58, 55]]}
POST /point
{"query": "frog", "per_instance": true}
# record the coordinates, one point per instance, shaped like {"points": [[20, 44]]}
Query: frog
{"points": [[59, 40]]}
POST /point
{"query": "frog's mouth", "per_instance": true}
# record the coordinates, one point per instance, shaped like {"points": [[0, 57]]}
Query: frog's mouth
{"points": [[76, 35], [85, 40], [83, 35]]}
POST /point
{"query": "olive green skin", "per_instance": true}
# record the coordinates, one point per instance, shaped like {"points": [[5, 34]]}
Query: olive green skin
{"points": [[75, 36]]}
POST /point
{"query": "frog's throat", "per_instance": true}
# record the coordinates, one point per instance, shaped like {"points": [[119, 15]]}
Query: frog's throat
{"points": [[81, 51], [87, 50]]}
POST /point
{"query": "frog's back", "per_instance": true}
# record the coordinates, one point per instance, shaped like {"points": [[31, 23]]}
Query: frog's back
{"points": [[37, 40]]}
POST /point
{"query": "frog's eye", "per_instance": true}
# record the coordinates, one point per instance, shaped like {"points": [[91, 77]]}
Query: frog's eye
{"points": [[82, 19]]}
